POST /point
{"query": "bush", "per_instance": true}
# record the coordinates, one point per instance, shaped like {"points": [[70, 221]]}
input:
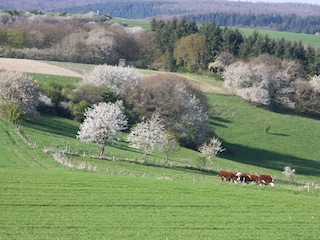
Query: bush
{"points": [[267, 127], [11, 112], [20, 90], [307, 98], [181, 106], [79, 109]]}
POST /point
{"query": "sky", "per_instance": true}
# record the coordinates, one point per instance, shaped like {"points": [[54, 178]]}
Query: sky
{"points": [[288, 1]]}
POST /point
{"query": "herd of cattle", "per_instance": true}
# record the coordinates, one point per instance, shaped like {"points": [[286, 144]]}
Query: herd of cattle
{"points": [[235, 177]]}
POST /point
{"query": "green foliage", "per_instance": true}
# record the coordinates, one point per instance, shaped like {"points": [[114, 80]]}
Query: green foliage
{"points": [[53, 90], [78, 110], [16, 38], [192, 67], [11, 112], [36, 12], [63, 13], [267, 127]]}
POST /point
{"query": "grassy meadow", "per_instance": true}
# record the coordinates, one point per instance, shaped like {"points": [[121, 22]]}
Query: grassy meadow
{"points": [[306, 39], [119, 198]]}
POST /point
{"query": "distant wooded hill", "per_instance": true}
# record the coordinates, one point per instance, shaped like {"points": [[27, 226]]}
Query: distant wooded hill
{"points": [[290, 22], [196, 7], [278, 22], [290, 17]]}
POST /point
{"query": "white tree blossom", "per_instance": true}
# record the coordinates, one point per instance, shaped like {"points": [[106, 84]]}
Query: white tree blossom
{"points": [[171, 145], [194, 118], [117, 79], [315, 83], [148, 135], [21, 90], [102, 122], [101, 45], [263, 82], [210, 149], [235, 76], [255, 94]]}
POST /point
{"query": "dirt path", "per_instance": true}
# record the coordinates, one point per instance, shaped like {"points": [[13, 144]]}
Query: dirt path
{"points": [[33, 66], [64, 69]]}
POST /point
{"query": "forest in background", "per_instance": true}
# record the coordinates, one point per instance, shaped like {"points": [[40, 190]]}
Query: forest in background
{"points": [[235, 14], [291, 17]]}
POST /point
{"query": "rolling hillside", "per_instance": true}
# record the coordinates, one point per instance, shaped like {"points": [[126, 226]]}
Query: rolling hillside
{"points": [[116, 199], [291, 141]]}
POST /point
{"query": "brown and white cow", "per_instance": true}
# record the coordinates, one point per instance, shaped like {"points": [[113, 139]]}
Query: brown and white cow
{"points": [[254, 178], [229, 176], [266, 180]]}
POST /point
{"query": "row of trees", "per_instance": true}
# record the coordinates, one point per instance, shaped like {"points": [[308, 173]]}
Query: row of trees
{"points": [[128, 9], [103, 122], [231, 18], [76, 38], [182, 107], [176, 40], [179, 44], [277, 22]]}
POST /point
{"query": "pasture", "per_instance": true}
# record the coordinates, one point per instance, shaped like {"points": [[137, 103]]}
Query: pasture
{"points": [[69, 204], [306, 39], [120, 198]]}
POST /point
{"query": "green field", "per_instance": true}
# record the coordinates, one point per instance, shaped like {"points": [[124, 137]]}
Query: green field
{"points": [[120, 198], [133, 22], [306, 39], [52, 204]]}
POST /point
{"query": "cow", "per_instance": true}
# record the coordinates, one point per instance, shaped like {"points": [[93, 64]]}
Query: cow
{"points": [[254, 178], [229, 176], [245, 178], [266, 180]]}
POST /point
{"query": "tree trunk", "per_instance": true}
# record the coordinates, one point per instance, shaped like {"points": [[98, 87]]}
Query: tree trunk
{"points": [[101, 151], [167, 157], [145, 157]]}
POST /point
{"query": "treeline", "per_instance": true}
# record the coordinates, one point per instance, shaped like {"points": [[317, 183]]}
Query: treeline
{"points": [[219, 40], [139, 10], [278, 22], [127, 9], [175, 45]]}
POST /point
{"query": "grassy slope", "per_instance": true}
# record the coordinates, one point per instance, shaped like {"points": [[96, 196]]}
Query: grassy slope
{"points": [[292, 140], [38, 204], [42, 199]]}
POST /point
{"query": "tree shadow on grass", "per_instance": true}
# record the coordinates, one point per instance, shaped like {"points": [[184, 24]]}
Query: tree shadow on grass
{"points": [[268, 159], [53, 125], [218, 121], [279, 134]]}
